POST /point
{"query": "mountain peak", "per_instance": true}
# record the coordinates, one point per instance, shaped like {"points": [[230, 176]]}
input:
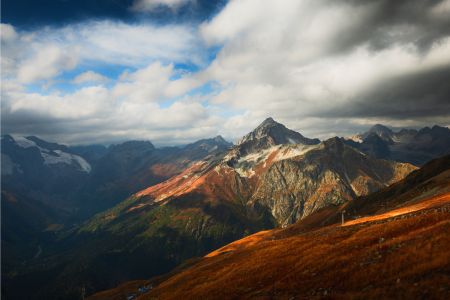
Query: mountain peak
{"points": [[267, 122], [270, 133], [384, 132], [220, 139], [378, 128]]}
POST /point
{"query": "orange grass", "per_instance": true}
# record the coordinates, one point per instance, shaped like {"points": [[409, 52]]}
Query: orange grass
{"points": [[403, 257], [429, 203]]}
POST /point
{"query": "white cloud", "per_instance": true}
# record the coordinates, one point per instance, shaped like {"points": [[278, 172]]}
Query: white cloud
{"points": [[138, 104], [136, 45], [145, 84], [130, 109], [10, 49], [89, 77], [150, 5], [46, 53], [8, 32], [296, 60], [84, 103], [441, 10], [46, 62]]}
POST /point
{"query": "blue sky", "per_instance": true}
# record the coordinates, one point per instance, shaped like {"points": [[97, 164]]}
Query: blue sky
{"points": [[174, 71]]}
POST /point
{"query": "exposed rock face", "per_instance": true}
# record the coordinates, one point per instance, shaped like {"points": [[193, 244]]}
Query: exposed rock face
{"points": [[330, 174]]}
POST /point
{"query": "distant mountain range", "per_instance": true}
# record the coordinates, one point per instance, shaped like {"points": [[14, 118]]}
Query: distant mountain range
{"points": [[156, 207], [406, 145], [71, 178]]}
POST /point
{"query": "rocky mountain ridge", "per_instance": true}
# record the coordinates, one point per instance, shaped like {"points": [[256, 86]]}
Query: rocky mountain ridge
{"points": [[406, 145]]}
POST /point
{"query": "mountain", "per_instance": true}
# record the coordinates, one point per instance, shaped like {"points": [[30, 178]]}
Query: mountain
{"points": [[131, 166], [91, 153], [47, 172], [83, 180], [382, 131], [273, 177], [26, 156], [395, 250], [283, 183], [330, 174], [406, 145], [270, 133], [430, 180], [38, 181], [48, 188], [205, 147]]}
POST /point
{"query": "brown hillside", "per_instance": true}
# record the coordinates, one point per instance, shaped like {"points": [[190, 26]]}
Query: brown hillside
{"points": [[404, 256], [401, 254]]}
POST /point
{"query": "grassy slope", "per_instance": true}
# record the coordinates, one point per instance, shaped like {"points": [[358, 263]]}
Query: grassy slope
{"points": [[405, 256]]}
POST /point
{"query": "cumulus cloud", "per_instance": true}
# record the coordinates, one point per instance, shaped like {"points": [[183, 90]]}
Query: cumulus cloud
{"points": [[137, 104], [89, 77], [8, 32], [332, 61], [130, 108], [9, 48], [46, 62], [145, 84], [45, 53], [150, 5]]}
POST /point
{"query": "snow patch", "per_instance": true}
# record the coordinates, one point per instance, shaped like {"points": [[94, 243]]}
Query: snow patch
{"points": [[290, 152], [23, 141], [62, 157], [258, 156], [246, 163], [54, 157], [291, 141], [85, 166]]}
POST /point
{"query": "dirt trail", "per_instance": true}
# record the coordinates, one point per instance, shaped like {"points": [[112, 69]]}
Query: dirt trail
{"points": [[432, 202]]}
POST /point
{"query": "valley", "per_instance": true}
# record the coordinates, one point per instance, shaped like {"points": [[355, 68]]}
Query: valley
{"points": [[187, 202]]}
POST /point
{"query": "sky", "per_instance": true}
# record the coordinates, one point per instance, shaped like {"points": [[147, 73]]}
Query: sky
{"points": [[175, 71]]}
